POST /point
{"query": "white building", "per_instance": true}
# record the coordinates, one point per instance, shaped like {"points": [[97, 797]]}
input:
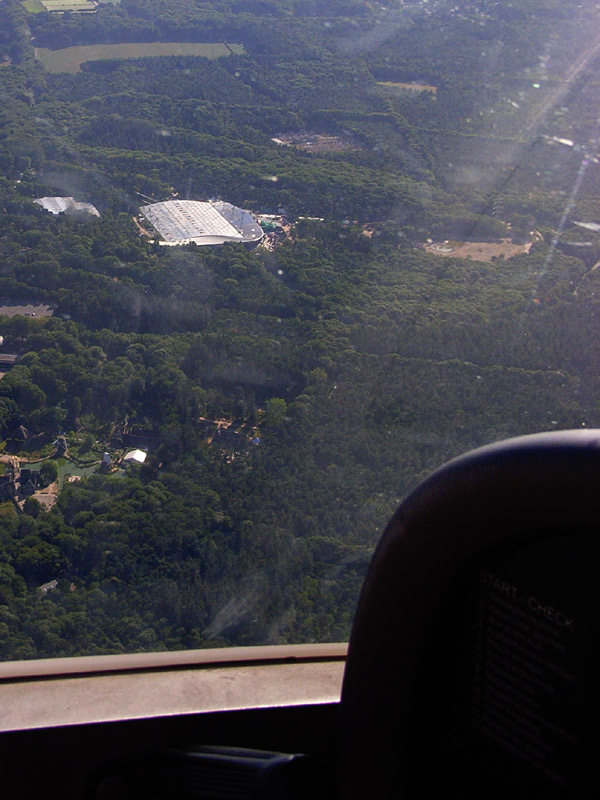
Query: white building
{"points": [[134, 457], [186, 221]]}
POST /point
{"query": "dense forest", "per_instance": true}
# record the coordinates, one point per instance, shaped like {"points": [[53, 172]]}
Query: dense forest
{"points": [[288, 397]]}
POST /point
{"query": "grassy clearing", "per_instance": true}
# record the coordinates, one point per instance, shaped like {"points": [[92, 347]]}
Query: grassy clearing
{"points": [[33, 6], [68, 5], [70, 59]]}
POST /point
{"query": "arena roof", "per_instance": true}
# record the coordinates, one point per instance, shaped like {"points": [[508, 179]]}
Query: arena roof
{"points": [[186, 221]]}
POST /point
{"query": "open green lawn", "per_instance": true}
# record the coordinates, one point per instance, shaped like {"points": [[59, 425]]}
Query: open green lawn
{"points": [[70, 59], [33, 6], [68, 5]]}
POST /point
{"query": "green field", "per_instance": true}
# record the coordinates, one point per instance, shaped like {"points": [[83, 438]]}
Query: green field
{"points": [[33, 6], [70, 59], [68, 5]]}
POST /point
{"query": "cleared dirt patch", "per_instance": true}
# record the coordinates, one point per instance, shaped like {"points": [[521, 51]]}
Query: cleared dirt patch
{"points": [[478, 251], [8, 309], [70, 59], [403, 88], [47, 497], [316, 142]]}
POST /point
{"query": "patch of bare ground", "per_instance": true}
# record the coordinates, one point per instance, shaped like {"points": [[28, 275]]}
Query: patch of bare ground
{"points": [[414, 88], [316, 142], [8, 309], [46, 497], [478, 251], [141, 229]]}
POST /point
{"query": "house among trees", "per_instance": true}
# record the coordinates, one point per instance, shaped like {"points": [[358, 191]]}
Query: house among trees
{"points": [[136, 435], [8, 487], [7, 360], [134, 457], [47, 587], [29, 481]]}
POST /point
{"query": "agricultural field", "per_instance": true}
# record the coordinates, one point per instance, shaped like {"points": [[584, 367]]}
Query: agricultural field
{"points": [[33, 6], [75, 6], [70, 59]]}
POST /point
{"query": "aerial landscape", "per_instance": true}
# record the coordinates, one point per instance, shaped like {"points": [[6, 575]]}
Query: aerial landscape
{"points": [[265, 264]]}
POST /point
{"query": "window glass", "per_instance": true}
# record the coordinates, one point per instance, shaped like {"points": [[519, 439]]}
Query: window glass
{"points": [[264, 264]]}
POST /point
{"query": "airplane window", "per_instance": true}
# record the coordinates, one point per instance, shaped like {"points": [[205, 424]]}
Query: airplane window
{"points": [[264, 264]]}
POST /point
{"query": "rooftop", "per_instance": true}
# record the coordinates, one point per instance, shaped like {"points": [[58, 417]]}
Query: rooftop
{"points": [[186, 221]]}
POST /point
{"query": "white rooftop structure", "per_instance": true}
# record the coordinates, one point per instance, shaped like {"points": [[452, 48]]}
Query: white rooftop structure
{"points": [[137, 456], [56, 205], [186, 221]]}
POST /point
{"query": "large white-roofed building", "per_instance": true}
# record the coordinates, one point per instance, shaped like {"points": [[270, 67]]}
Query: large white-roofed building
{"points": [[187, 221]]}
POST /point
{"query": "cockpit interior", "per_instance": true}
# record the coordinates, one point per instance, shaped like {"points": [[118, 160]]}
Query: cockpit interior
{"points": [[470, 668]]}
